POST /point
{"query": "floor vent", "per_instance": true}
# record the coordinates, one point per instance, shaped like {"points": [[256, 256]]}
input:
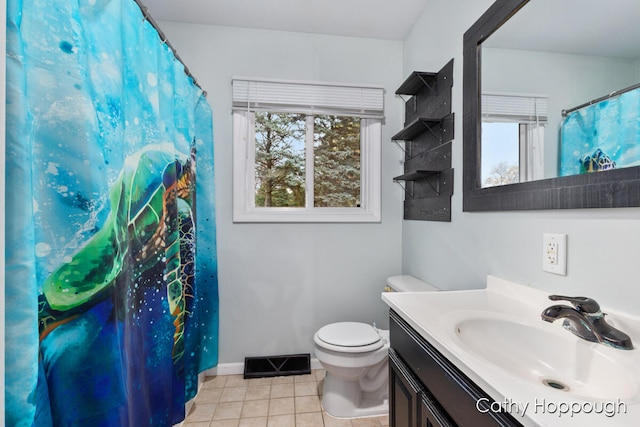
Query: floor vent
{"points": [[277, 366]]}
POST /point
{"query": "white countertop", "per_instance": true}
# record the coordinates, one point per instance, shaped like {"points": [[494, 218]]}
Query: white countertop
{"points": [[434, 316]]}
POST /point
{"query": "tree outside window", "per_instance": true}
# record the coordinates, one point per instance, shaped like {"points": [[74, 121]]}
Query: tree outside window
{"points": [[337, 161], [281, 160]]}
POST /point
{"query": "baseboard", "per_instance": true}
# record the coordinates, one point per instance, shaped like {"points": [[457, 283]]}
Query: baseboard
{"points": [[238, 368], [315, 364], [225, 369]]}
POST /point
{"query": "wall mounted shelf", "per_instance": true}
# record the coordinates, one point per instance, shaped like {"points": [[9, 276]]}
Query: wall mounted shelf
{"points": [[427, 135], [416, 82], [420, 175], [416, 175], [437, 127]]}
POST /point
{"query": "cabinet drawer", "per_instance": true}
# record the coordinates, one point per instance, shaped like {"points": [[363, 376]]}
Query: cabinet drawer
{"points": [[452, 390]]}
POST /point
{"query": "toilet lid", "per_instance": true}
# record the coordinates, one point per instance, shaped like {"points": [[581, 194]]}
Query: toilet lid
{"points": [[349, 334]]}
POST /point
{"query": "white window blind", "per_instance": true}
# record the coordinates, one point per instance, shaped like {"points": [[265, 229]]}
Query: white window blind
{"points": [[521, 108], [252, 94]]}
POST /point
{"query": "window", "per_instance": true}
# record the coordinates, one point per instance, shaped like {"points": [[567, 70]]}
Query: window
{"points": [[306, 152], [512, 138], [500, 153]]}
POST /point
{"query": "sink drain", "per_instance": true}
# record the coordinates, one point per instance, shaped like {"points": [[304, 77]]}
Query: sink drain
{"points": [[555, 384]]}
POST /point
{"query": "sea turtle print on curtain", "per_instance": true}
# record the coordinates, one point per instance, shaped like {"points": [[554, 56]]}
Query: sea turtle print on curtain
{"points": [[111, 268]]}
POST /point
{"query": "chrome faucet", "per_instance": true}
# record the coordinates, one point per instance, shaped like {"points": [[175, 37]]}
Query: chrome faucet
{"points": [[586, 320]]}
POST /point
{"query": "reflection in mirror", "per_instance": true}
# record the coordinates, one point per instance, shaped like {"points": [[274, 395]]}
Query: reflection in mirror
{"points": [[554, 88], [548, 58]]}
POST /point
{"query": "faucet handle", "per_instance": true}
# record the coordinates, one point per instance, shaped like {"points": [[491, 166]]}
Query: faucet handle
{"points": [[582, 304]]}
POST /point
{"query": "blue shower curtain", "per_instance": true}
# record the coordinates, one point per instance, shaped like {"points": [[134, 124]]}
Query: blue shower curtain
{"points": [[111, 270], [602, 136]]}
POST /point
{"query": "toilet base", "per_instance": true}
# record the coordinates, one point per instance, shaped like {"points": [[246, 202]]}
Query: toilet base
{"points": [[345, 399]]}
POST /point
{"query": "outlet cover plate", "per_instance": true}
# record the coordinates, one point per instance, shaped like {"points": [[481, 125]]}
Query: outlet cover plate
{"points": [[554, 253]]}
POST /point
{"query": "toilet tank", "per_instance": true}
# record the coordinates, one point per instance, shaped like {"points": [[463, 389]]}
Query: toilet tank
{"points": [[406, 283]]}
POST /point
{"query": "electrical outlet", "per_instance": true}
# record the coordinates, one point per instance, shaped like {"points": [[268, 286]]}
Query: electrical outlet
{"points": [[551, 253], [554, 253]]}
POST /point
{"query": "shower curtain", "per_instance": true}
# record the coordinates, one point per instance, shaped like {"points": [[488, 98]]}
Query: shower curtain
{"points": [[111, 270], [602, 136]]}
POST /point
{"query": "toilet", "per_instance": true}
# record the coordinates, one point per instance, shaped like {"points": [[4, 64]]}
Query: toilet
{"points": [[355, 358]]}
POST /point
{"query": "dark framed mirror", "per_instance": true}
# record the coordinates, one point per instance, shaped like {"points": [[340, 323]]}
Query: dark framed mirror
{"points": [[589, 188]]}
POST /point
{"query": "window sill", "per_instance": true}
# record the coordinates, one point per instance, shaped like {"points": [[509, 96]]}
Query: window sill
{"points": [[301, 215]]}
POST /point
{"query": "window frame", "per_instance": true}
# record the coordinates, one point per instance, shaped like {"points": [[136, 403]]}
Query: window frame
{"points": [[244, 209], [531, 151]]}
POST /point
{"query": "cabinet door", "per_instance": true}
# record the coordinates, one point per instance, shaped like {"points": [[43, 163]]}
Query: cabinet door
{"points": [[431, 415], [404, 394]]}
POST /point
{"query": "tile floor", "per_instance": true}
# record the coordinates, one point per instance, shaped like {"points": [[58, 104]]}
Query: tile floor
{"points": [[293, 401]]}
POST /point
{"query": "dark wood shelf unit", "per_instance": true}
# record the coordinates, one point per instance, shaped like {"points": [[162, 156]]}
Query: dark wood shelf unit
{"points": [[427, 135]]}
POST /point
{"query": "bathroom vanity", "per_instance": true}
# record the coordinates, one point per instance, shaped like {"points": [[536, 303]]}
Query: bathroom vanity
{"points": [[485, 358], [427, 390]]}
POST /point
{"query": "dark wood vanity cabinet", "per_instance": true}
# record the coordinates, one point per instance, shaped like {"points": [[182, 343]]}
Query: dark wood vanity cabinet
{"points": [[412, 405], [426, 390]]}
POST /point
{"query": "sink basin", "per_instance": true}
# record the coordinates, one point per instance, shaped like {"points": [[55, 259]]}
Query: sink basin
{"points": [[551, 358]]}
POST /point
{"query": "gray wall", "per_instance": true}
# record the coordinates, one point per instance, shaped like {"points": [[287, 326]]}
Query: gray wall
{"points": [[280, 282], [603, 244]]}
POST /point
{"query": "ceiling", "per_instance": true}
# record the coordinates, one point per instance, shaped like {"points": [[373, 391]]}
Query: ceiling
{"points": [[596, 27], [586, 27], [381, 19]]}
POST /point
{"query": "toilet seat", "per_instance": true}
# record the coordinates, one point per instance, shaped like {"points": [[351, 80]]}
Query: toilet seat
{"points": [[349, 337]]}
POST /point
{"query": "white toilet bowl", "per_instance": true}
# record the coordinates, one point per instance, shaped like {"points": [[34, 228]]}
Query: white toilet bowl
{"points": [[355, 357]]}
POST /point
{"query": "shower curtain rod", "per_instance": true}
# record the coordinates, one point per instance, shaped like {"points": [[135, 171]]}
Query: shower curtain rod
{"points": [[149, 18], [602, 98]]}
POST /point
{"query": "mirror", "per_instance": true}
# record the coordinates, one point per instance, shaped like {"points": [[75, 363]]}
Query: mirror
{"points": [[524, 64]]}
